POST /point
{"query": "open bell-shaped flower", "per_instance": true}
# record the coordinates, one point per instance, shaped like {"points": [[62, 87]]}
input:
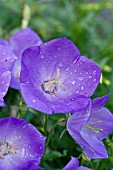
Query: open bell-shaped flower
{"points": [[89, 127], [18, 43], [55, 78], [73, 165], [21, 145]]}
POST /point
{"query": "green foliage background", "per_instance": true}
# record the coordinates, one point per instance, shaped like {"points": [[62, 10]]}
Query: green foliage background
{"points": [[89, 24]]}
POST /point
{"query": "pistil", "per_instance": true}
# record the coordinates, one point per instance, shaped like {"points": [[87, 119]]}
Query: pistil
{"points": [[50, 86], [5, 148]]}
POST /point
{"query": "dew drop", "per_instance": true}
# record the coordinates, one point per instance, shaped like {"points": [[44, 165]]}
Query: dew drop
{"points": [[40, 147], [2, 82], [86, 72], [82, 87], [81, 78], [94, 72], [90, 77], [95, 80], [3, 93], [67, 69], [73, 82], [77, 92], [75, 70], [33, 101], [42, 57], [60, 64]]}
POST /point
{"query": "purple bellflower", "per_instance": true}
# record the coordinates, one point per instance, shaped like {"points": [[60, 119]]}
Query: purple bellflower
{"points": [[21, 145], [18, 43], [90, 127], [7, 59], [73, 165], [56, 79]]}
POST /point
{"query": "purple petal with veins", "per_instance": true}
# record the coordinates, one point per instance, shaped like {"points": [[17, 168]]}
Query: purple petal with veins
{"points": [[90, 127], [57, 78], [18, 43], [21, 144]]}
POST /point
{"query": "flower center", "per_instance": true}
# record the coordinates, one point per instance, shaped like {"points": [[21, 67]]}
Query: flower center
{"points": [[97, 130], [5, 149], [51, 85]]}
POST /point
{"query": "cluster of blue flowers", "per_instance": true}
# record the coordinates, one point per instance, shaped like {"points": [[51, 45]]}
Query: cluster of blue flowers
{"points": [[53, 78]]}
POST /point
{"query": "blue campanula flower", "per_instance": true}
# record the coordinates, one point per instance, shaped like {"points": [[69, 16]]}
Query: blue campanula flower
{"points": [[21, 145], [89, 127], [73, 165], [55, 78], [18, 43]]}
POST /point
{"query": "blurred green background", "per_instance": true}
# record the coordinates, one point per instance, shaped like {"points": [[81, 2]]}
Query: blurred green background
{"points": [[89, 24]]}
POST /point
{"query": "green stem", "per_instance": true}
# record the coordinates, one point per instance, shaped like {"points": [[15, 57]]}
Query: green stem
{"points": [[50, 133], [46, 123]]}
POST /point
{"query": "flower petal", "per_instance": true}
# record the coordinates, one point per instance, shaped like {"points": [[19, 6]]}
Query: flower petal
{"points": [[30, 166], [23, 39], [7, 58], [83, 77], [19, 42], [4, 42], [99, 102], [5, 77], [83, 168], [72, 164], [105, 117], [77, 120], [92, 146]]}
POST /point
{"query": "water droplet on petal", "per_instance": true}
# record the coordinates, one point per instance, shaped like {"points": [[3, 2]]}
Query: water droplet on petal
{"points": [[73, 82], [90, 77], [94, 72], [82, 87], [77, 92], [67, 69], [40, 147], [86, 72], [33, 101], [3, 93], [75, 70], [42, 57], [60, 64], [95, 80], [81, 78]]}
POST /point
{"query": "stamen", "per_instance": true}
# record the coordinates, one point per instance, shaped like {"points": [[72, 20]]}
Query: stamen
{"points": [[6, 149], [97, 130], [54, 81], [57, 75]]}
